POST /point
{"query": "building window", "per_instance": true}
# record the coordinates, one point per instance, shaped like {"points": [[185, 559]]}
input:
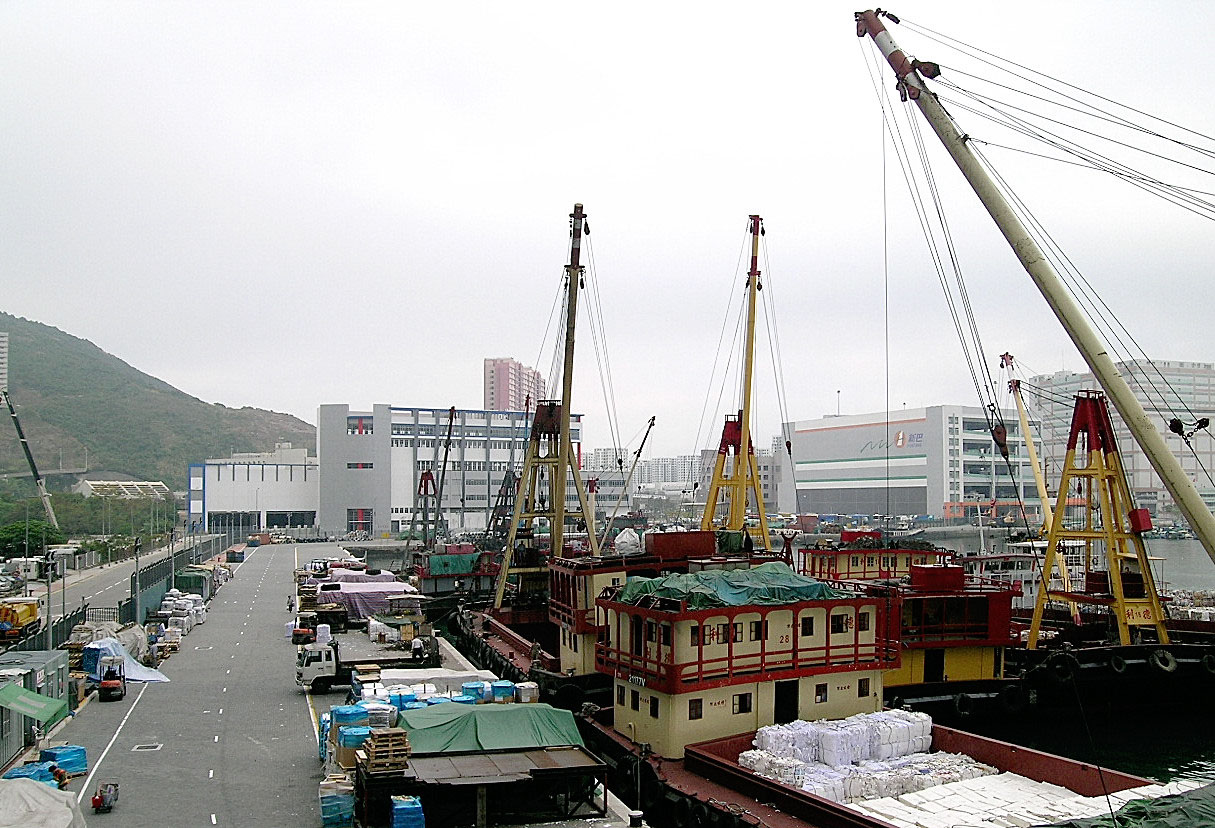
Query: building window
{"points": [[695, 637], [862, 622], [359, 425], [742, 702], [759, 630], [839, 624], [820, 693], [807, 625], [635, 699], [862, 688], [696, 709], [620, 694], [360, 465], [653, 707]]}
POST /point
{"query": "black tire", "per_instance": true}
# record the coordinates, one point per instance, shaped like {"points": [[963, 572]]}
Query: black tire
{"points": [[1163, 660], [963, 704], [1062, 667], [1013, 699], [1117, 664], [569, 697], [681, 813], [320, 686], [700, 814], [1208, 663]]}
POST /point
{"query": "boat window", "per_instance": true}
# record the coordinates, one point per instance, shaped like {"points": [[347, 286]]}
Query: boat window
{"points": [[742, 702], [820, 693], [651, 631], [695, 635], [665, 635], [635, 699], [696, 709], [807, 625], [862, 622], [653, 707], [723, 633], [738, 632], [862, 688], [620, 694], [759, 630], [839, 623]]}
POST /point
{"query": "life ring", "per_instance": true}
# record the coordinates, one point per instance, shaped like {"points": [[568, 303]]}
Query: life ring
{"points": [[1208, 663], [1062, 667], [1163, 660], [1118, 664], [1013, 698], [963, 704]]}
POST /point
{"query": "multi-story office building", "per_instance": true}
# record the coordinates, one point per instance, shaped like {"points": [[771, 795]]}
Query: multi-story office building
{"points": [[766, 466], [372, 462], [511, 386], [1188, 388], [938, 460], [254, 491]]}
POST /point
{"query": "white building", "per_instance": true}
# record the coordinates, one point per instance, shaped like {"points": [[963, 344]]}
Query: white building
{"points": [[1187, 385], [939, 460], [372, 462], [254, 491]]}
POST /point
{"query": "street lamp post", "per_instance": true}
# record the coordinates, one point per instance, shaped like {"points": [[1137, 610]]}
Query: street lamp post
{"points": [[60, 555]]}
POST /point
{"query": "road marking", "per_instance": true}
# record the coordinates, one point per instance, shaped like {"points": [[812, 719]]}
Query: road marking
{"points": [[226, 672], [217, 738], [114, 738], [316, 726], [225, 689], [211, 774], [212, 819], [221, 711]]}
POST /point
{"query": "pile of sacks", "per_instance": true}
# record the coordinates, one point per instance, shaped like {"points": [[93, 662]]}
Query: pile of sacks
{"points": [[862, 757]]}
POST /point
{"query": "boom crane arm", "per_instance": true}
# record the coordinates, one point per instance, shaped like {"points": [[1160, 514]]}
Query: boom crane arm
{"points": [[43, 494], [911, 74]]}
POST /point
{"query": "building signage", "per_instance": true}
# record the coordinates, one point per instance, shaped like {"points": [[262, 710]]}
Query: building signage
{"points": [[638, 680], [901, 440]]}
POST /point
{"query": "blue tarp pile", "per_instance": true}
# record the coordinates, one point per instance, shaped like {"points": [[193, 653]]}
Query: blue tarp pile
{"points": [[352, 736], [407, 812], [37, 771], [768, 584], [70, 758]]}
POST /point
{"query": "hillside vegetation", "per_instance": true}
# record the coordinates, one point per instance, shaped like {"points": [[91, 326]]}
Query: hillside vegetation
{"points": [[70, 395]]}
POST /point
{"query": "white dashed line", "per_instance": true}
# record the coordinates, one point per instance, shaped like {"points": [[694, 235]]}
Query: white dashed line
{"points": [[211, 774], [221, 711], [212, 819], [217, 738]]}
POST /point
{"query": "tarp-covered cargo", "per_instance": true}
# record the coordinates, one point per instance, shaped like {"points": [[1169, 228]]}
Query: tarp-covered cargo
{"points": [[767, 584], [456, 728], [25, 803], [1192, 809], [90, 661], [363, 600], [451, 563]]}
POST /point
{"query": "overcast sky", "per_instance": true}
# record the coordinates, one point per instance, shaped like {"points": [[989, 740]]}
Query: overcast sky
{"points": [[289, 204]]}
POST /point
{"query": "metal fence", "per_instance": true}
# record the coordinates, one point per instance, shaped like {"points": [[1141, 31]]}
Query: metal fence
{"points": [[61, 630]]}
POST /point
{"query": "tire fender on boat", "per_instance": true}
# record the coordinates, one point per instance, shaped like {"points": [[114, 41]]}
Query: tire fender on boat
{"points": [[1013, 698], [700, 814], [963, 704], [1163, 660], [1208, 663], [681, 813], [1117, 664], [1062, 667]]}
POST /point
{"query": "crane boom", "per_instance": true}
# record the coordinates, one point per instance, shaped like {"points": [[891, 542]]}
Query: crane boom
{"points": [[43, 494]]}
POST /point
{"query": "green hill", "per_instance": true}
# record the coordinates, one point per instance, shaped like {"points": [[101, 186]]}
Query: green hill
{"points": [[70, 395]]}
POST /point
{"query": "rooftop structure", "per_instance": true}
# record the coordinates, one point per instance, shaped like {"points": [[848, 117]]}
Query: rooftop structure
{"points": [[122, 488]]}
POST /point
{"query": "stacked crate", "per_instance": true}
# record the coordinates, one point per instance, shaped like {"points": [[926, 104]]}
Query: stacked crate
{"points": [[385, 750]]}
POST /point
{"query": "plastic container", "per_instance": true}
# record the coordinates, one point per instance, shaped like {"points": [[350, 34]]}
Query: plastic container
{"points": [[464, 699], [476, 689], [407, 812], [528, 692], [416, 705], [352, 736], [504, 691], [437, 700], [348, 714], [323, 633]]}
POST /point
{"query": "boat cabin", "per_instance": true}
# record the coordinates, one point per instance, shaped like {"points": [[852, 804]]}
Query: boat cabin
{"points": [[867, 564], [705, 655]]}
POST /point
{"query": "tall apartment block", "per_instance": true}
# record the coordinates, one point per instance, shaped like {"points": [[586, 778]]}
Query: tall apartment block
{"points": [[509, 385]]}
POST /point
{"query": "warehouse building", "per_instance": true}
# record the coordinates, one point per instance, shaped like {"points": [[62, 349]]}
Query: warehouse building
{"points": [[372, 465], [1189, 388], [939, 460], [252, 492]]}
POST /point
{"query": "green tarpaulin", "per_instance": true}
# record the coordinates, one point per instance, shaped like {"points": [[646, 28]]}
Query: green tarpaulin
{"points": [[1192, 809], [451, 728], [766, 584], [36, 706], [456, 563]]}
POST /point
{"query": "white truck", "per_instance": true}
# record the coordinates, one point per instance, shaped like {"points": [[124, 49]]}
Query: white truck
{"points": [[319, 666]]}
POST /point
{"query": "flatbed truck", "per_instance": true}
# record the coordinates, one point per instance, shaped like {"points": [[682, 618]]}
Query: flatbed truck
{"points": [[319, 666]]}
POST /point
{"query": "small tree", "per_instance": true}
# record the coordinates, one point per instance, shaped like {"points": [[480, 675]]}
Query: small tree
{"points": [[12, 538]]}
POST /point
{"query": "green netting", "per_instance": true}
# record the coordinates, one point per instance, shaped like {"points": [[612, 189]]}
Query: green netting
{"points": [[450, 728], [459, 563], [1192, 809], [766, 584]]}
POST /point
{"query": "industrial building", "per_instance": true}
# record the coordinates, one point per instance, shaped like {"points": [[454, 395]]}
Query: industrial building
{"points": [[250, 492], [939, 460], [372, 465], [1188, 386]]}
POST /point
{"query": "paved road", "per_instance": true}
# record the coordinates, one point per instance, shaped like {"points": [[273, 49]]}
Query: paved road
{"points": [[236, 740]]}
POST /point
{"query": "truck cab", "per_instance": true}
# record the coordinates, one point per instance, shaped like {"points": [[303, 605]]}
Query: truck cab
{"points": [[316, 667]]}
